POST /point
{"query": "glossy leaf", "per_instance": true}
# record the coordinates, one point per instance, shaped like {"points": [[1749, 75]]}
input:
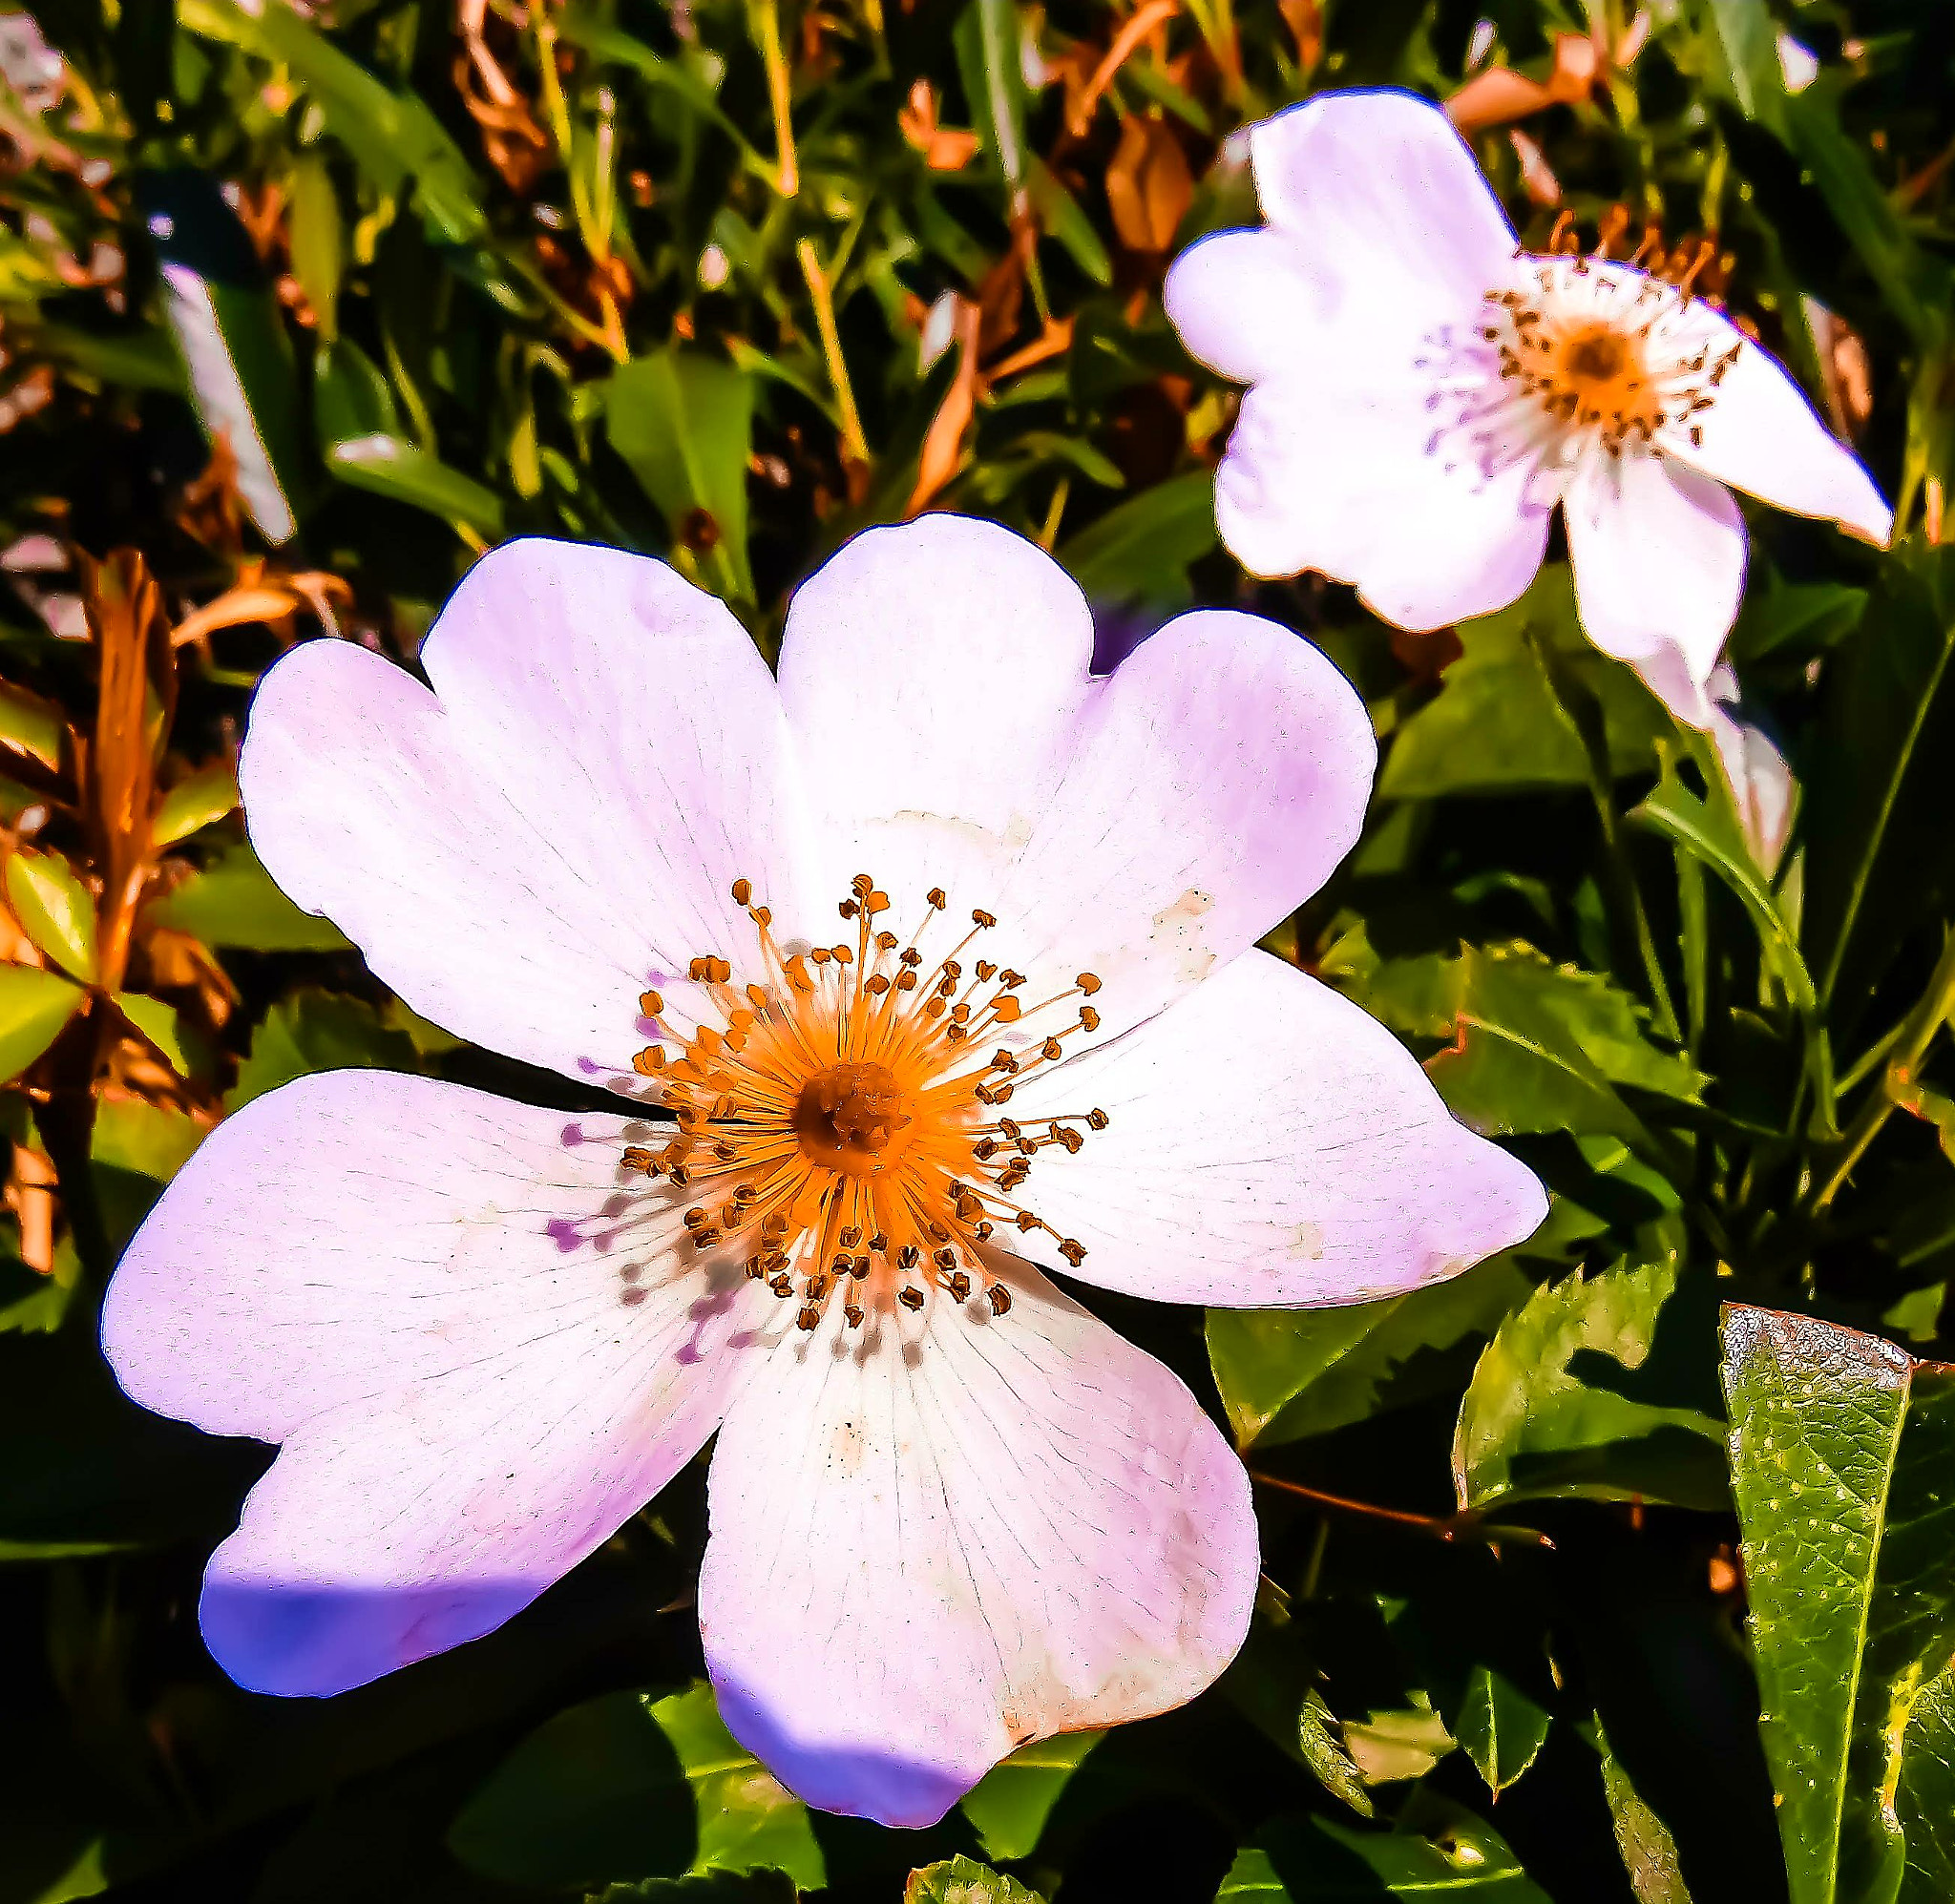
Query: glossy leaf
{"points": [[318, 1031], [1318, 1861], [963, 1880], [54, 909], [1841, 1450], [1139, 549], [403, 472], [1530, 1425], [162, 1025], [627, 1787], [193, 803], [1649, 1851], [1010, 1804], [34, 1008], [233, 902], [1499, 1728]]}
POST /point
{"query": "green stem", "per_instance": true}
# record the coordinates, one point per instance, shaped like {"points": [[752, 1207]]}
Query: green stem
{"points": [[1922, 1024]]}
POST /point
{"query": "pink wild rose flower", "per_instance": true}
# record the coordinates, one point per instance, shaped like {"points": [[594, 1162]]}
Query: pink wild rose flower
{"points": [[929, 962], [1422, 394]]}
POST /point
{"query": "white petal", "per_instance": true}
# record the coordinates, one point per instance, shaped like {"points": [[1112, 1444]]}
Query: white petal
{"points": [[1760, 435], [428, 1295], [1241, 300], [1347, 478], [1268, 1144], [934, 672], [1143, 826], [1379, 182], [1761, 783], [522, 852], [1658, 553], [943, 1536]]}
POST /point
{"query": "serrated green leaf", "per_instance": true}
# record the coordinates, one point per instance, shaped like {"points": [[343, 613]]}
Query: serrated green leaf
{"points": [[1840, 1449], [1499, 1728], [1530, 1426], [1010, 1804], [54, 909], [963, 1880], [308, 1031], [1287, 1374]]}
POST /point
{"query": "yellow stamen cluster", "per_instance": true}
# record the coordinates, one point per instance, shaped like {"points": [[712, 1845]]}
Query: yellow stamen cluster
{"points": [[838, 1128]]}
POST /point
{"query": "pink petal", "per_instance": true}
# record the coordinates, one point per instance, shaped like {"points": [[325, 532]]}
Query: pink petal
{"points": [[523, 851], [1142, 826], [1658, 553], [934, 672], [1347, 478], [1269, 1144], [1373, 183], [417, 1289], [1237, 299], [1760, 435], [952, 1534]]}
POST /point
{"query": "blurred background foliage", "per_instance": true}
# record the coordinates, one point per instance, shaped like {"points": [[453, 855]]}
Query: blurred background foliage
{"points": [[305, 303]]}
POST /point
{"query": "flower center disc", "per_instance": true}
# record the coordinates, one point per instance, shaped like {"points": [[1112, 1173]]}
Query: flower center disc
{"points": [[1604, 369], [854, 1118]]}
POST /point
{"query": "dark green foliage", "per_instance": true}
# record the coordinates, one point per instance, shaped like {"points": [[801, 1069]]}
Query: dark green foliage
{"points": [[309, 304]]}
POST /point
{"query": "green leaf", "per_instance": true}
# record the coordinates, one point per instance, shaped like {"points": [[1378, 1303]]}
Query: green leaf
{"points": [[1320, 1742], [1010, 1804], [233, 902], [34, 1008], [1841, 1450], [713, 1886], [627, 1787], [1308, 1860], [986, 37], [963, 1880], [684, 421], [1496, 727], [193, 803], [161, 1024], [310, 1031], [1649, 1851], [317, 241], [1499, 1728], [142, 1138], [1139, 549], [1880, 854], [31, 726], [54, 909], [350, 398], [1287, 1374], [1530, 1425], [390, 137], [403, 472], [1063, 220]]}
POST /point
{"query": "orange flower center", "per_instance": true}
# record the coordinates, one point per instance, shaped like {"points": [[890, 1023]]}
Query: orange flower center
{"points": [[839, 1126]]}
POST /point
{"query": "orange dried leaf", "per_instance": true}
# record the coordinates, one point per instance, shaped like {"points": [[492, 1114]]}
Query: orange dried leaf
{"points": [[1148, 185]]}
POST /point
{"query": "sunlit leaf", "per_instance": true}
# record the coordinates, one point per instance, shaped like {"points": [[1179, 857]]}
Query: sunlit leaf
{"points": [[56, 910], [33, 1007]]}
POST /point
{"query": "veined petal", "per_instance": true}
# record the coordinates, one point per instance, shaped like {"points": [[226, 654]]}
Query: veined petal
{"points": [[481, 1353], [1269, 1144], [1351, 479], [523, 851], [1760, 435], [933, 673], [1378, 184], [1143, 826], [955, 1533], [1658, 553]]}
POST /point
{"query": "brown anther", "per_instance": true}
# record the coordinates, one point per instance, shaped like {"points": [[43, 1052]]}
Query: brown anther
{"points": [[743, 893], [852, 1315], [1087, 983], [819, 955], [1089, 1019], [693, 1218], [842, 1266], [908, 1256], [980, 917], [906, 981], [680, 1175], [849, 1237], [650, 1061], [936, 1232], [909, 956], [945, 1259], [650, 1003], [960, 1015], [1010, 980], [842, 955], [999, 1093], [756, 1268], [762, 915], [848, 909], [1006, 1009], [817, 1287], [637, 1159], [987, 1148], [985, 968], [937, 899], [877, 985], [782, 1284], [875, 902], [705, 1239], [1012, 1132], [1074, 1253], [862, 886], [912, 1299], [809, 1317], [1050, 1049], [998, 1297], [886, 942], [1098, 1119], [859, 1270], [879, 1243], [1027, 1222], [952, 972], [958, 1286]]}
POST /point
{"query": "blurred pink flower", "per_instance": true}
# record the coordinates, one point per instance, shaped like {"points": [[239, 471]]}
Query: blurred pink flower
{"points": [[1423, 393], [950, 1509]]}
